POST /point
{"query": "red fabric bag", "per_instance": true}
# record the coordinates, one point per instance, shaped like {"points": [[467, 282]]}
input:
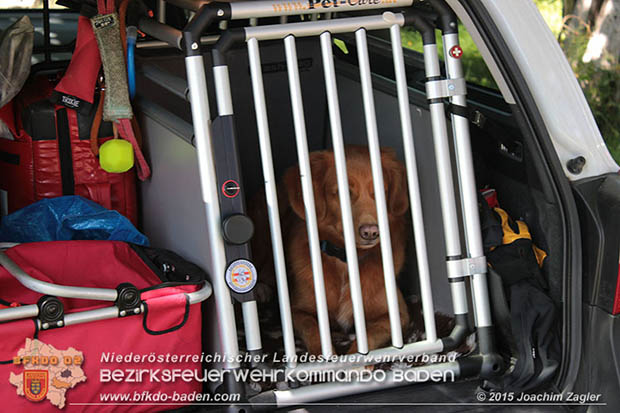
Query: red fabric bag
{"points": [[51, 155], [81, 378]]}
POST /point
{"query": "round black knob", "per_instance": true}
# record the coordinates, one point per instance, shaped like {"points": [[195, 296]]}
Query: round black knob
{"points": [[50, 309], [238, 229], [128, 296]]}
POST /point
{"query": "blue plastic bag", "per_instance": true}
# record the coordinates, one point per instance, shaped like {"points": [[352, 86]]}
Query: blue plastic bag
{"points": [[68, 218]]}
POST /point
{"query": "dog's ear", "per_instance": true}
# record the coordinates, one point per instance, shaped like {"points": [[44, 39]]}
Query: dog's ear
{"points": [[396, 182], [319, 163]]}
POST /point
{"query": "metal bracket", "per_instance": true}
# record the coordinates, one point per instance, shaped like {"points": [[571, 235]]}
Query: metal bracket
{"points": [[467, 267], [445, 88]]}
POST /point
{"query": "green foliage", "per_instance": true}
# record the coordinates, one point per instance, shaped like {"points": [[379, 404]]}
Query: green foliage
{"points": [[551, 11], [601, 88], [475, 69]]}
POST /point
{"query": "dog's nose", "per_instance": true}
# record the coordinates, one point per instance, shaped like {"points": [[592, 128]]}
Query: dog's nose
{"points": [[369, 232]]}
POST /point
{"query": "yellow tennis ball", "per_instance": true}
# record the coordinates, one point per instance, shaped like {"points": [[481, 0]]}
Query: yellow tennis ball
{"points": [[116, 156]]}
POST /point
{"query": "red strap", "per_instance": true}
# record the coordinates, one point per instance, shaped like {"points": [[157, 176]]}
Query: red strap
{"points": [[105, 7], [126, 132]]}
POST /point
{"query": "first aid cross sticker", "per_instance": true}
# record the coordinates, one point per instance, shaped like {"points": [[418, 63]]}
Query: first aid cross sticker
{"points": [[456, 52]]}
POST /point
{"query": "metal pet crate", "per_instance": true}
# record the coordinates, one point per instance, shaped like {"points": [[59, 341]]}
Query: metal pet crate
{"points": [[219, 164]]}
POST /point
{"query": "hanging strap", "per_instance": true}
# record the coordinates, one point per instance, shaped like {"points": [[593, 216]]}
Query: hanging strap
{"points": [[126, 132], [493, 128], [127, 126], [66, 124], [94, 129], [105, 6]]}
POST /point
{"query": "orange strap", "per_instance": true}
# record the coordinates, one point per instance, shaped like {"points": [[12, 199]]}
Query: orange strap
{"points": [[94, 129]]}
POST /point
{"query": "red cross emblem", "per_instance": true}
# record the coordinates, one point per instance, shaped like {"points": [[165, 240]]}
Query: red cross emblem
{"points": [[456, 52]]}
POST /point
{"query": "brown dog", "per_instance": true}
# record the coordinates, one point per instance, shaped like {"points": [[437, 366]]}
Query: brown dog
{"points": [[329, 221]]}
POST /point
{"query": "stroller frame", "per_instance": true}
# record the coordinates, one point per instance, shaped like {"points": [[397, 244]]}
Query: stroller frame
{"points": [[465, 263], [48, 312]]}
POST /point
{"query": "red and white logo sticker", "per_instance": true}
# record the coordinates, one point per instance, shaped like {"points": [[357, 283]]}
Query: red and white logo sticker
{"points": [[241, 276], [456, 52]]}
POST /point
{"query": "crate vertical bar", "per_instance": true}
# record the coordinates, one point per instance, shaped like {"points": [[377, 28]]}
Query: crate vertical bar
{"points": [[415, 200], [308, 194], [379, 187], [343, 192], [272, 200]]}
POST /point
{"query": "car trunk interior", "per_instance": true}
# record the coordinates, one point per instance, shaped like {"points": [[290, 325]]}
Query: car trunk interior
{"points": [[172, 210]]}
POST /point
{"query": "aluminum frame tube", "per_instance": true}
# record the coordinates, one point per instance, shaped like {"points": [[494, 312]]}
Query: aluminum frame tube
{"points": [[56, 290], [17, 313], [375, 356], [315, 28], [199, 100], [446, 183], [344, 196], [276, 8], [307, 189], [272, 201], [161, 11], [467, 183], [163, 32], [222, 90], [442, 158], [379, 188], [415, 200], [82, 317], [251, 325], [150, 44], [251, 9]]}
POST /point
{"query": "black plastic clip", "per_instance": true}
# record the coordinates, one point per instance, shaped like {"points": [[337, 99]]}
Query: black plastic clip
{"points": [[478, 119], [51, 312], [128, 300]]}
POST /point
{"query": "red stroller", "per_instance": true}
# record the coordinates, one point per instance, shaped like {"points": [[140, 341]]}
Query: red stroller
{"points": [[63, 348]]}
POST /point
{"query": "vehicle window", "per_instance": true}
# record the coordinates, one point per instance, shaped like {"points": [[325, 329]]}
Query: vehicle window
{"points": [[63, 27], [474, 67], [27, 4]]}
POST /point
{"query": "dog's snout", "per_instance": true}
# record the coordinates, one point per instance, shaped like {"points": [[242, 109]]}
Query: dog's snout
{"points": [[369, 232]]}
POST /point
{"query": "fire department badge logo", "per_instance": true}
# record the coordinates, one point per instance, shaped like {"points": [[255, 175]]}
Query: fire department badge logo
{"points": [[43, 372], [241, 276], [35, 384]]}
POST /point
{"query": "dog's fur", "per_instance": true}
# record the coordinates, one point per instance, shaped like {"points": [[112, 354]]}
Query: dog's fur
{"points": [[301, 284]]}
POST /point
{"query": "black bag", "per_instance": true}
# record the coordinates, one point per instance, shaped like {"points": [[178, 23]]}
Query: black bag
{"points": [[169, 266], [524, 314]]}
